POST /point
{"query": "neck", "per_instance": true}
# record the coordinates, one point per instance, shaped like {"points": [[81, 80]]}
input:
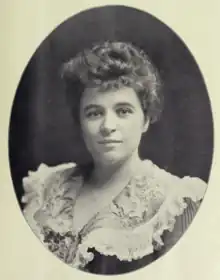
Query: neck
{"points": [[103, 173]]}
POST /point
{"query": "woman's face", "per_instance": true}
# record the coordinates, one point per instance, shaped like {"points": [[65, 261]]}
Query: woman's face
{"points": [[112, 124]]}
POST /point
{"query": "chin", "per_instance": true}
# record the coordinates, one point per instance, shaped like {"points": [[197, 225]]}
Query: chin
{"points": [[111, 159]]}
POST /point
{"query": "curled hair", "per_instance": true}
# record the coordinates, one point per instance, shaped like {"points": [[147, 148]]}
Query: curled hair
{"points": [[113, 65]]}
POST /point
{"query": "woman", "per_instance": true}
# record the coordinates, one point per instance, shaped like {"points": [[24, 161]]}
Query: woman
{"points": [[119, 212]]}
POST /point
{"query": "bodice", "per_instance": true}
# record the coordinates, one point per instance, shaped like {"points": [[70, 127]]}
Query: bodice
{"points": [[148, 215]]}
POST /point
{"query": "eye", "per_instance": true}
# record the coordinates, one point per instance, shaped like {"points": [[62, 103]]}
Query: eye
{"points": [[94, 114], [124, 112]]}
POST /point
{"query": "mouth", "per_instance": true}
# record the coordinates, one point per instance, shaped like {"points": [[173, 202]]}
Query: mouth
{"points": [[109, 142]]}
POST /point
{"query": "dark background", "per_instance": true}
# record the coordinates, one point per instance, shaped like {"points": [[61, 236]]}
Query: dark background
{"points": [[42, 130]]}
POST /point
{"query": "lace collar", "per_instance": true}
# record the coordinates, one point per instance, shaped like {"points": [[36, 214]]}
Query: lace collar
{"points": [[137, 217]]}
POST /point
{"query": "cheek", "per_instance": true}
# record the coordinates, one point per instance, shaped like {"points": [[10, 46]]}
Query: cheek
{"points": [[89, 130], [134, 124], [133, 130]]}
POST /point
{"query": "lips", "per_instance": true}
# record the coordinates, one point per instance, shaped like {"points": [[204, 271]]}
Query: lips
{"points": [[109, 141]]}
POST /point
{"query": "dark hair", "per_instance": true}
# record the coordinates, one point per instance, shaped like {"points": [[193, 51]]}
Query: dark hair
{"points": [[112, 65]]}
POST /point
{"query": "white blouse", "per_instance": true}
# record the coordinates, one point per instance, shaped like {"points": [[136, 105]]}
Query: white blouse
{"points": [[129, 226]]}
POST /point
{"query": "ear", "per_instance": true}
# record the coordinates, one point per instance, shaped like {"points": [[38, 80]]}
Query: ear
{"points": [[146, 125]]}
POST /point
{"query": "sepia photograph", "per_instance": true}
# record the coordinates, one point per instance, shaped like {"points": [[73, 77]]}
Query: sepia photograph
{"points": [[111, 140]]}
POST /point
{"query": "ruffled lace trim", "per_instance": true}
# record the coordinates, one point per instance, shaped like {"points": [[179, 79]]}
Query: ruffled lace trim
{"points": [[47, 193], [128, 245]]}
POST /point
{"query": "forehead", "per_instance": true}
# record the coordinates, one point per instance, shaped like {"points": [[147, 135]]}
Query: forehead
{"points": [[110, 97]]}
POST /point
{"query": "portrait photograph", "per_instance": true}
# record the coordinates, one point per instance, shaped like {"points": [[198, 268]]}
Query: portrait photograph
{"points": [[111, 140]]}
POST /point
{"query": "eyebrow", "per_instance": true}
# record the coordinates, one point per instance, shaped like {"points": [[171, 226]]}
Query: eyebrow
{"points": [[91, 106], [125, 104], [95, 106]]}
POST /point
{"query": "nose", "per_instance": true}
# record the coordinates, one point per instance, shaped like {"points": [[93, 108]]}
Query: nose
{"points": [[108, 124]]}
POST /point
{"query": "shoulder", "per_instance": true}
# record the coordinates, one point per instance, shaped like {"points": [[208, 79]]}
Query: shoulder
{"points": [[163, 198], [44, 172], [190, 187], [45, 176], [173, 201], [182, 199], [47, 191], [182, 222]]}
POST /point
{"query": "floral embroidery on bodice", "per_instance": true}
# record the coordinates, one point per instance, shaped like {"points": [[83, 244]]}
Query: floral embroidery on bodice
{"points": [[130, 227]]}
